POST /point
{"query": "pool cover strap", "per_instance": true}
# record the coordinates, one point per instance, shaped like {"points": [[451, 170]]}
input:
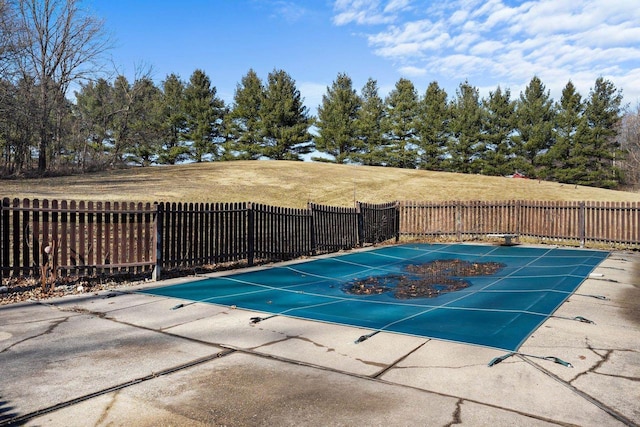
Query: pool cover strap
{"points": [[554, 359]]}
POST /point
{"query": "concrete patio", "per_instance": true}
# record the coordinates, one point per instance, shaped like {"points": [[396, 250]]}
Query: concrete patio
{"points": [[122, 358]]}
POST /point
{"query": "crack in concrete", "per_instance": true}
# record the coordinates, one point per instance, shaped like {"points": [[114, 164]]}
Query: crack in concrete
{"points": [[105, 411], [30, 322], [49, 330], [623, 377], [316, 344], [440, 367], [81, 310], [267, 344], [456, 416], [603, 359]]}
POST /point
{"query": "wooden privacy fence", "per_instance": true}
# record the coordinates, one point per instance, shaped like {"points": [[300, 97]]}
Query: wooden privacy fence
{"points": [[86, 238], [583, 223], [78, 238]]}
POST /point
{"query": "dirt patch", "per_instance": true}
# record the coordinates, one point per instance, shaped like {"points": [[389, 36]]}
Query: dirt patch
{"points": [[25, 288], [426, 280]]}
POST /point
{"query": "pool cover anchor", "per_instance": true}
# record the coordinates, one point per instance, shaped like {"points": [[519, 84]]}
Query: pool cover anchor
{"points": [[602, 297], [554, 359], [584, 320], [182, 305], [365, 337], [257, 319], [576, 318]]}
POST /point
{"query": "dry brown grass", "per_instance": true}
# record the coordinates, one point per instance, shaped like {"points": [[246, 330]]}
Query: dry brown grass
{"points": [[293, 184]]}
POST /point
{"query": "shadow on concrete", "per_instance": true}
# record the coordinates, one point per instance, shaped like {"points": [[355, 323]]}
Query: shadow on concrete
{"points": [[7, 414]]}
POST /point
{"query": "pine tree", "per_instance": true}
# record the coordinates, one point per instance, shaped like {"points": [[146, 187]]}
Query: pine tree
{"points": [[173, 121], [598, 143], [535, 118], [465, 144], [369, 124], [498, 127], [566, 161], [94, 112], [145, 124], [285, 119], [336, 122], [433, 127], [400, 127], [121, 99], [205, 115], [245, 124]]}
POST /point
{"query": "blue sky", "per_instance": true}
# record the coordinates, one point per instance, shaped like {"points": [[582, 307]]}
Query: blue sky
{"points": [[488, 43]]}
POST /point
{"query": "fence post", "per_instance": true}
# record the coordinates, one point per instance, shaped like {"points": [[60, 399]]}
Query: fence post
{"points": [[582, 223], [458, 220], [518, 218], [4, 241], [157, 225], [397, 222], [360, 224], [312, 237], [250, 234]]}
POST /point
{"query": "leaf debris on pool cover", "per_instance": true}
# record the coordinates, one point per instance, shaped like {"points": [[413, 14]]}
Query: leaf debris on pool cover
{"points": [[426, 280]]}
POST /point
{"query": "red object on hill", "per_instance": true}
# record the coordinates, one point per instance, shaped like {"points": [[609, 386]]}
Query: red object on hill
{"points": [[518, 175]]}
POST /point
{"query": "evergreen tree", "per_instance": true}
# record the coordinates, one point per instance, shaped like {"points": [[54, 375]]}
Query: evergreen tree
{"points": [[432, 127], [400, 127], [599, 146], [121, 99], [535, 118], [245, 124], [285, 119], [146, 124], [566, 162], [465, 144], [337, 115], [369, 124], [94, 112], [18, 126], [205, 117], [498, 127], [173, 121]]}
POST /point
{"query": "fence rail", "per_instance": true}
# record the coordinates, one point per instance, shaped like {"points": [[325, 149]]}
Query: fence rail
{"points": [[87, 238]]}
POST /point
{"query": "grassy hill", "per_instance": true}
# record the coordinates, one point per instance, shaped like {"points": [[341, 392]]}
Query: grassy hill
{"points": [[293, 184]]}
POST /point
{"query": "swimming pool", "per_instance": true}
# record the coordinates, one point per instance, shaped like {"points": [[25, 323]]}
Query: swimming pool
{"points": [[492, 296]]}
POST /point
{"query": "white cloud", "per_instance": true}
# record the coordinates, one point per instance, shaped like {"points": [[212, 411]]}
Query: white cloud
{"points": [[485, 47], [497, 40], [412, 71], [397, 5], [361, 12]]}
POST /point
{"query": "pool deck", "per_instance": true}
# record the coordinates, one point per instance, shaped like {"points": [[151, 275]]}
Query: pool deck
{"points": [[122, 358]]}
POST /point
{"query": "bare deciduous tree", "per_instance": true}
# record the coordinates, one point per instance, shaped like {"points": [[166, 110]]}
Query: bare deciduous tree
{"points": [[60, 45], [629, 137]]}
